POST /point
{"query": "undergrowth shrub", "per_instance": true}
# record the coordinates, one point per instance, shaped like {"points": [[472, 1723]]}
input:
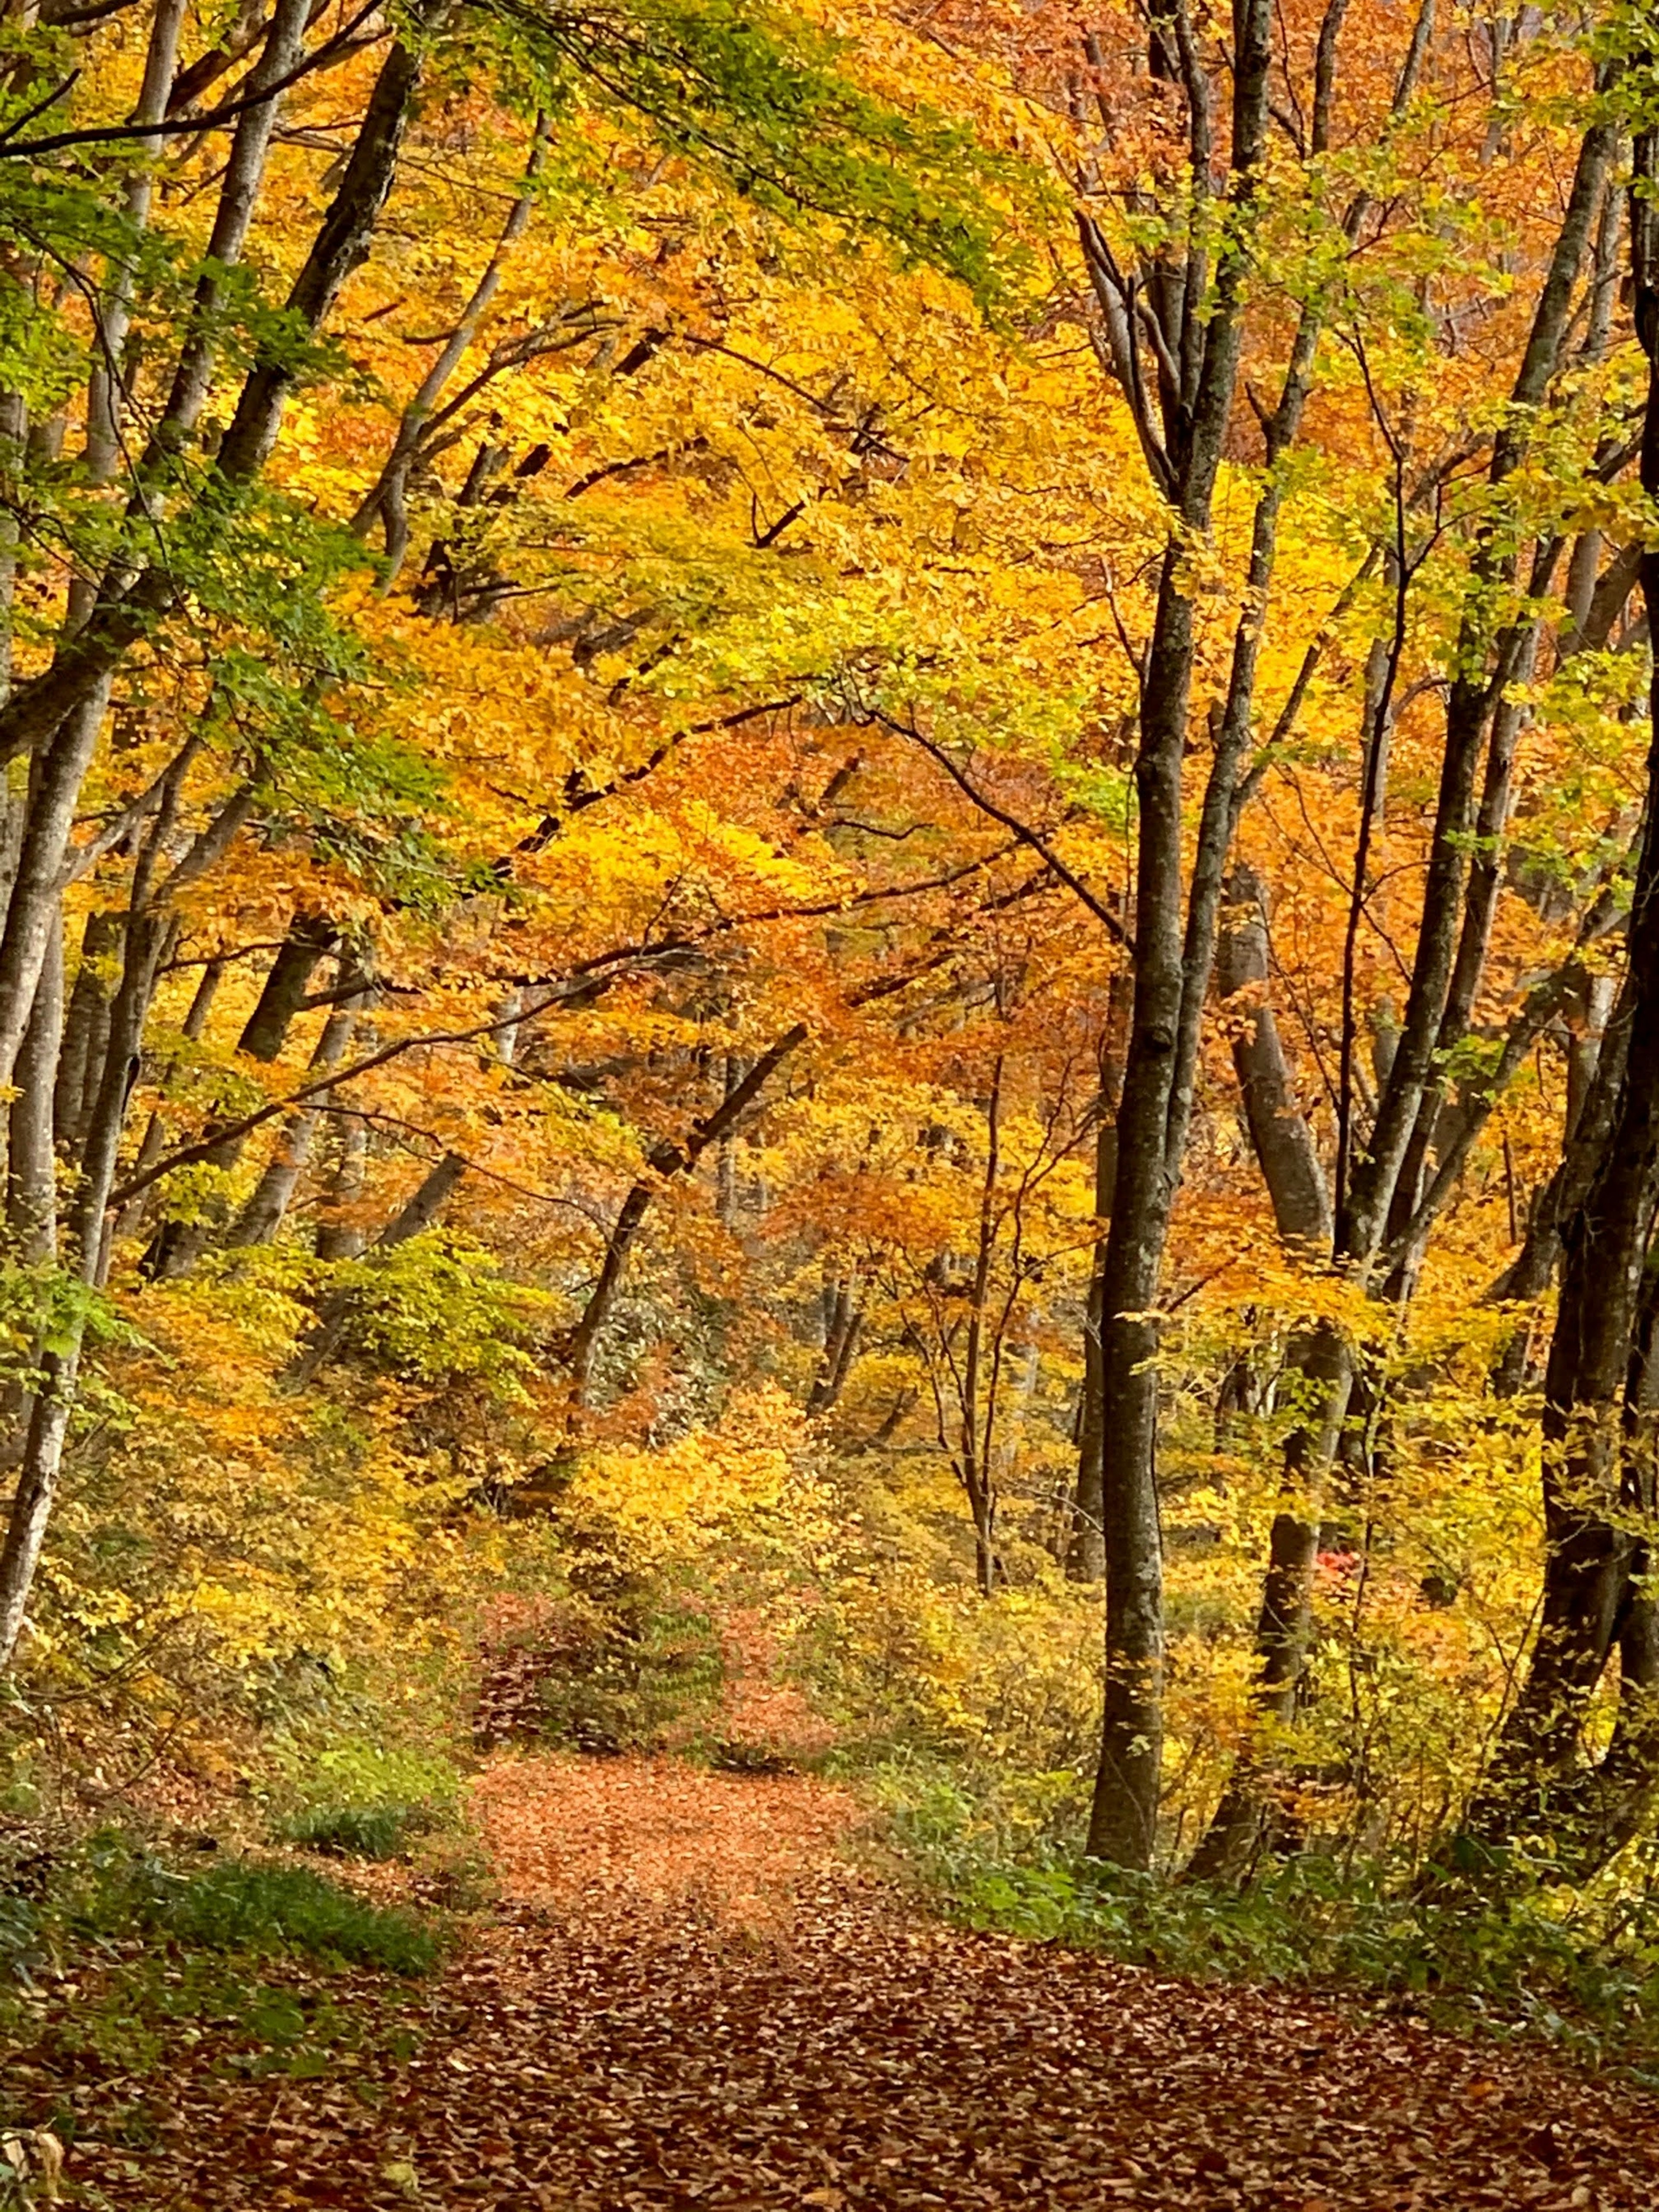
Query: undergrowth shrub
{"points": [[659, 1552], [1579, 1968], [637, 1666], [352, 1832], [353, 1799], [247, 1906], [911, 1662], [111, 1886]]}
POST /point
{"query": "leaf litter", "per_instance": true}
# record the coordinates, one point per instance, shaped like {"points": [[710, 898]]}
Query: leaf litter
{"points": [[689, 1997]]}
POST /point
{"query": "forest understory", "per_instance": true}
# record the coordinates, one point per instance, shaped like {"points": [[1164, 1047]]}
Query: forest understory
{"points": [[697, 1988], [724, 1976]]}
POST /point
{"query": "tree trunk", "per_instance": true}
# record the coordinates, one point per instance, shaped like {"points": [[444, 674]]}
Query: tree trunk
{"points": [[973, 1454], [1173, 937], [1321, 1365], [267, 1207], [843, 1319], [1122, 1821], [178, 1245], [1448, 922], [1320, 1368], [86, 1031], [666, 1159], [339, 1237], [1085, 1549], [37, 1487], [1595, 1485], [154, 1138], [32, 1160], [31, 912]]}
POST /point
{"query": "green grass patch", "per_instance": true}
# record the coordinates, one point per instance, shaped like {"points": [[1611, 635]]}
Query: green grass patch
{"points": [[110, 1886], [353, 1831], [254, 1906], [119, 1969], [350, 1799]]}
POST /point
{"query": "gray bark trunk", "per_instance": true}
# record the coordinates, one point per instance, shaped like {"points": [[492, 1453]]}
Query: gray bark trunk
{"points": [[266, 1208]]}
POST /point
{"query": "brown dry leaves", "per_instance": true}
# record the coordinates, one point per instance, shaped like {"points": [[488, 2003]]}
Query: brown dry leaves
{"points": [[629, 2037], [643, 1832]]}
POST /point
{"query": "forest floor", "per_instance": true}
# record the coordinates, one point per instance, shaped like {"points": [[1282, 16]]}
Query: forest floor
{"points": [[691, 1994]]}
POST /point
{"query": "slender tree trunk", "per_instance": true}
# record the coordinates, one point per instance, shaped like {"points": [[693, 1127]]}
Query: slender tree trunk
{"points": [[1320, 1364], [726, 1166], [1591, 1084], [1280, 1134], [1595, 1483], [340, 1236], [31, 1160], [974, 1434], [32, 1192], [1122, 1821], [14, 440], [1318, 1368], [31, 912], [1174, 945], [1365, 1197], [843, 1319], [1609, 1803], [37, 1486], [154, 1138], [267, 1207], [177, 1246], [86, 1031], [1086, 1550]]}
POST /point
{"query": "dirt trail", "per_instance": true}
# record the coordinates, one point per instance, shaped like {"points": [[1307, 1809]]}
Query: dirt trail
{"points": [[689, 2000], [568, 1833]]}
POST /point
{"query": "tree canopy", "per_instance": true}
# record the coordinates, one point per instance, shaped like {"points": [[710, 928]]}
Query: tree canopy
{"points": [[866, 789]]}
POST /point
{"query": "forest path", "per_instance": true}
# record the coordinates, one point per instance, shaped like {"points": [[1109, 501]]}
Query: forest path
{"points": [[687, 1999]]}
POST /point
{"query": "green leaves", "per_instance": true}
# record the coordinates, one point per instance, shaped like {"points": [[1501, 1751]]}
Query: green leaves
{"points": [[438, 1308], [48, 1310], [768, 102]]}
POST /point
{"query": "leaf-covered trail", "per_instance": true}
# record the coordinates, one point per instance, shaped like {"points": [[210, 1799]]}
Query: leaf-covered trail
{"points": [[690, 2000]]}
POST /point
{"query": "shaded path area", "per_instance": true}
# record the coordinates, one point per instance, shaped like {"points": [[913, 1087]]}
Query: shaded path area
{"points": [[689, 2000]]}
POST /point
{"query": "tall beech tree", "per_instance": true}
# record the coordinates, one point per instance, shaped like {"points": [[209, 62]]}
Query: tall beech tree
{"points": [[1189, 307], [1395, 1164]]}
